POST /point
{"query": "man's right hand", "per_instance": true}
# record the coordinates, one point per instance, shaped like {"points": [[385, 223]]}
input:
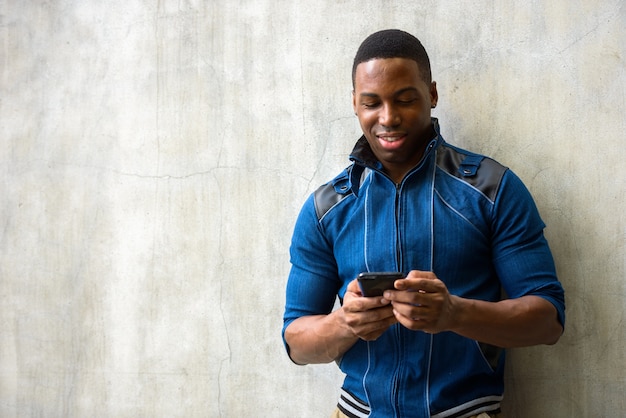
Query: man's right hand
{"points": [[325, 338], [366, 317]]}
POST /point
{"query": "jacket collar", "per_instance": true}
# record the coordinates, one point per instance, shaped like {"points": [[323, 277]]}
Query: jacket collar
{"points": [[363, 158]]}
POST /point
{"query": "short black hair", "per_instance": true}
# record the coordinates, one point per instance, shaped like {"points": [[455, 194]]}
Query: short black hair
{"points": [[393, 43]]}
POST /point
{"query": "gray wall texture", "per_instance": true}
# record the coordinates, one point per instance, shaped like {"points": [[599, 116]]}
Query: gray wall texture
{"points": [[154, 156]]}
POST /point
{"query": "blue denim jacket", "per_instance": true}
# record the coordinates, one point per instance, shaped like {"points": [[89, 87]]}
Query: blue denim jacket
{"points": [[461, 215]]}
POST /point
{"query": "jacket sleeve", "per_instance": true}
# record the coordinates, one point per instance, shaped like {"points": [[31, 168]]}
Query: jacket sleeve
{"points": [[313, 281], [522, 257]]}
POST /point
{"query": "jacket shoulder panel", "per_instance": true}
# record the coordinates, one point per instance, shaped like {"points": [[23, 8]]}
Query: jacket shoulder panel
{"points": [[331, 193], [482, 173], [342, 186], [325, 197]]}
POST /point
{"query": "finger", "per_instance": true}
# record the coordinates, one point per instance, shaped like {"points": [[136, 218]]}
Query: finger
{"points": [[419, 274], [420, 284], [416, 323], [411, 297], [372, 324], [374, 335], [353, 287], [360, 319], [362, 303], [413, 312]]}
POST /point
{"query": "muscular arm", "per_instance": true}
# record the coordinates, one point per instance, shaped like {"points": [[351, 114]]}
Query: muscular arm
{"points": [[319, 338], [526, 321], [324, 338]]}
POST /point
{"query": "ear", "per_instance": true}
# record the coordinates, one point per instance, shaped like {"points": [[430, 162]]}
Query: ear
{"points": [[434, 96], [354, 102]]}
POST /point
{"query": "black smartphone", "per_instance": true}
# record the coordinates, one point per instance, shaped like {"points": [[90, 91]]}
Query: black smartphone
{"points": [[375, 283]]}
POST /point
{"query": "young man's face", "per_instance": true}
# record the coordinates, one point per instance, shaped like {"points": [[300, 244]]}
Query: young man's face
{"points": [[393, 104]]}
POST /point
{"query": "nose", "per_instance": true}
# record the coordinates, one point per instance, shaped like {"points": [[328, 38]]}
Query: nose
{"points": [[389, 116]]}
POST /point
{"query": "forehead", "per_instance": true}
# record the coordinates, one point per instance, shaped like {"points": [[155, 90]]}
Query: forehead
{"points": [[385, 73]]}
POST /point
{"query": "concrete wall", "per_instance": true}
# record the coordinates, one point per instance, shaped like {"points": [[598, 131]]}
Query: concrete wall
{"points": [[154, 156]]}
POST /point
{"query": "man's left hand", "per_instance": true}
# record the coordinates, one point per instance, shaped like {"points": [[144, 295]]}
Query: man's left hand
{"points": [[422, 302]]}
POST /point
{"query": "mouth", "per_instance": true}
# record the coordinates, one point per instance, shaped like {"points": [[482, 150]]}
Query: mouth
{"points": [[391, 141]]}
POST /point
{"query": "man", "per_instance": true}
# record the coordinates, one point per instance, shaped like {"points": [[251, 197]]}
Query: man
{"points": [[462, 228]]}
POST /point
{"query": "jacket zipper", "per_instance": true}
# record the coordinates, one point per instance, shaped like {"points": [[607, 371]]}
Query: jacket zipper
{"points": [[397, 225], [395, 401]]}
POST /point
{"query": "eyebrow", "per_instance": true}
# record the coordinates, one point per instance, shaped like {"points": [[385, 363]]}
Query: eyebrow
{"points": [[397, 93]]}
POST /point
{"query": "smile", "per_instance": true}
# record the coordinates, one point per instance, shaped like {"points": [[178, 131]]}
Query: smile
{"points": [[390, 138], [391, 142]]}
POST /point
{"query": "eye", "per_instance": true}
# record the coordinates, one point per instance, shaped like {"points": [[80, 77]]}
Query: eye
{"points": [[370, 105], [406, 101]]}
